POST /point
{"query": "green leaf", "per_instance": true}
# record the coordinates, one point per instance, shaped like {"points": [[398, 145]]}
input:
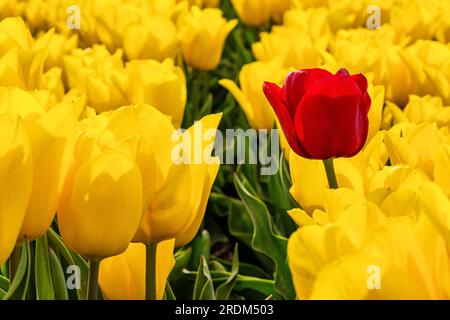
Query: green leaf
{"points": [[217, 266], [182, 258], [203, 288], [43, 277], [58, 278], [245, 284], [201, 246], [224, 290], [280, 200], [286, 183], [71, 259], [4, 283], [246, 269], [265, 241], [168, 293], [4, 270], [84, 269], [250, 286], [19, 286], [2, 294]]}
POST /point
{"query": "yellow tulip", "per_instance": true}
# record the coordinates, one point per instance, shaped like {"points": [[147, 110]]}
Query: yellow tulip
{"points": [[414, 19], [99, 75], [202, 35], [414, 145], [105, 21], [60, 45], [14, 33], [176, 209], [44, 14], [294, 45], [161, 85], [254, 13], [412, 264], [396, 189], [211, 3], [10, 8], [202, 3], [208, 174], [102, 201], [441, 168], [437, 207], [421, 109], [51, 149], [16, 176], [122, 277], [250, 97], [428, 61], [313, 21], [155, 38], [354, 173], [278, 8], [22, 59], [443, 24], [376, 52], [333, 260], [175, 195]]}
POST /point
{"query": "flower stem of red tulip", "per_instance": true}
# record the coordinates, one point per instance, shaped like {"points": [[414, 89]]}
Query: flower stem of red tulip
{"points": [[331, 174], [150, 271], [94, 266]]}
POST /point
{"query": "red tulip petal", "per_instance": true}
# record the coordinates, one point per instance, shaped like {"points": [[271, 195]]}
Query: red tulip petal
{"points": [[276, 98], [364, 120], [361, 81], [329, 121], [298, 82], [343, 72]]}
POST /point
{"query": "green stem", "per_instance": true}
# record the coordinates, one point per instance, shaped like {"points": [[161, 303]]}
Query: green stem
{"points": [[150, 271], [205, 84], [94, 266], [14, 261], [331, 174]]}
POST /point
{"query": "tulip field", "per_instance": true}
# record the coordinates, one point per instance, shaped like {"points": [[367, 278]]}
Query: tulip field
{"points": [[224, 149]]}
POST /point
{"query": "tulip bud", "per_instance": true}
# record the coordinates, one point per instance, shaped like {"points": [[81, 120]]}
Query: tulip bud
{"points": [[122, 277], [175, 195], [295, 45], [16, 175], [22, 59], [102, 202], [154, 38], [202, 35], [50, 148], [161, 85], [278, 8], [254, 13], [322, 115]]}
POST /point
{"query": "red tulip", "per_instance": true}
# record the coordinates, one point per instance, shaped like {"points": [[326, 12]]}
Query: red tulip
{"points": [[322, 115]]}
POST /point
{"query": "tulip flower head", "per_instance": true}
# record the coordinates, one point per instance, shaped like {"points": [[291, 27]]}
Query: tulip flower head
{"points": [[16, 176], [122, 277], [202, 35], [322, 115]]}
